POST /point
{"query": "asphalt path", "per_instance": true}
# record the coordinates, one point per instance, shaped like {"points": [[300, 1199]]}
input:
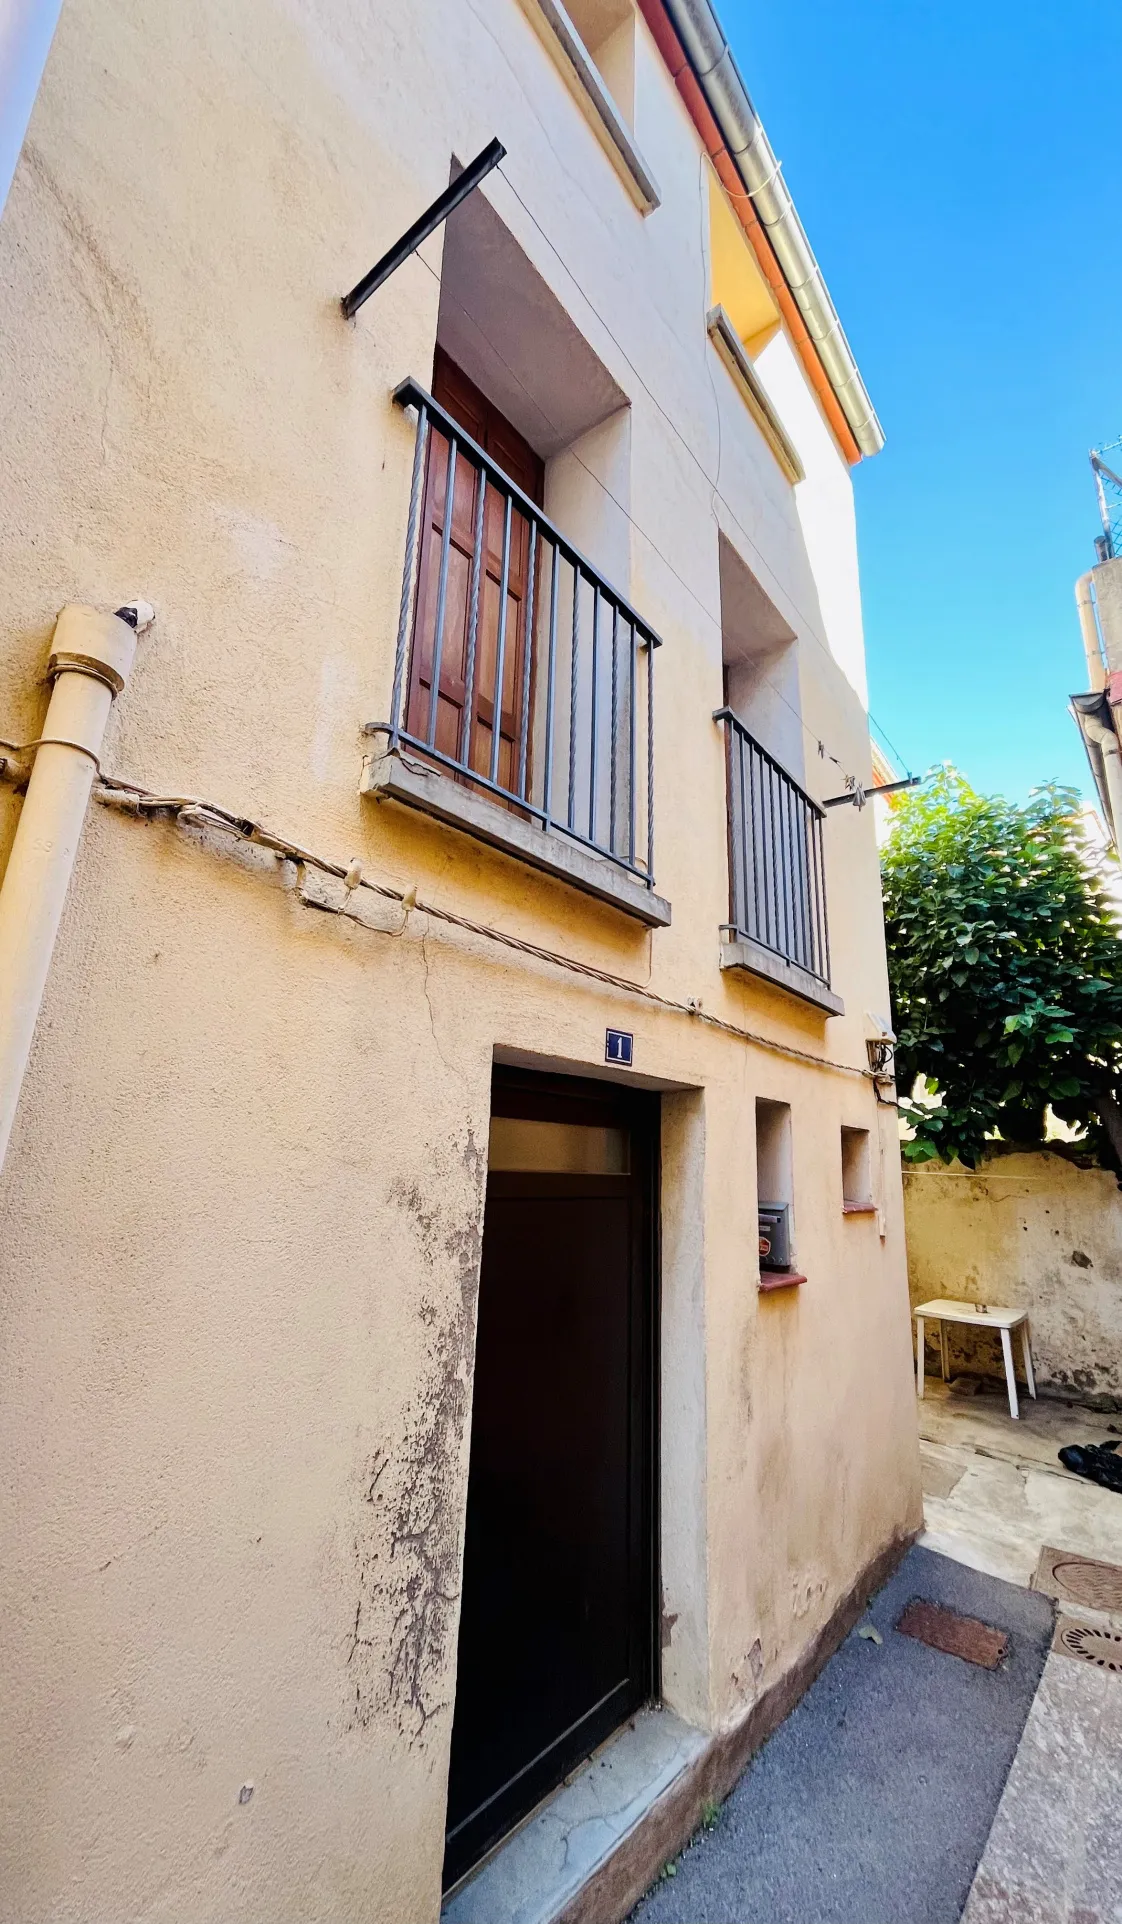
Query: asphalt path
{"points": [[873, 1802]]}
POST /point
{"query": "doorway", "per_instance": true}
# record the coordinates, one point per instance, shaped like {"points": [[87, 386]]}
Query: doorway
{"points": [[557, 1617]]}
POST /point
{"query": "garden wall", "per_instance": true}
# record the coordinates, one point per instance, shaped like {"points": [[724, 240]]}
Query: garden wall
{"points": [[1030, 1229]]}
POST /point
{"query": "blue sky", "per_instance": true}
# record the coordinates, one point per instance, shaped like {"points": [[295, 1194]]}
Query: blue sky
{"points": [[956, 168]]}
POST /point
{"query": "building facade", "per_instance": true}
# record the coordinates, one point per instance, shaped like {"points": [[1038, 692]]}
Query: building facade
{"points": [[1098, 601], [454, 1290]]}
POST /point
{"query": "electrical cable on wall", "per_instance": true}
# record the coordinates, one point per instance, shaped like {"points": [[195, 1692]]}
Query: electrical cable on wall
{"points": [[131, 798]]}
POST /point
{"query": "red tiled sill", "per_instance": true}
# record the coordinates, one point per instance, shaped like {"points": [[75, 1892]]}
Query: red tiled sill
{"points": [[779, 1279]]}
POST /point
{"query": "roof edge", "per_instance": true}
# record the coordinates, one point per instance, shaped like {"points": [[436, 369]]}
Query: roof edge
{"points": [[703, 43]]}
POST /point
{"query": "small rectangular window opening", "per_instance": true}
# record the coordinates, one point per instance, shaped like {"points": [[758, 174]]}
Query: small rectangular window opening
{"points": [[857, 1182], [774, 1189]]}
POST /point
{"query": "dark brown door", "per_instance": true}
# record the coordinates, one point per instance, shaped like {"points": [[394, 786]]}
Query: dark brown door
{"points": [[557, 1615], [505, 445]]}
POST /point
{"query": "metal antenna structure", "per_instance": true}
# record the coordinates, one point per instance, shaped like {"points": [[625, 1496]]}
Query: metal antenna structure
{"points": [[1108, 487]]}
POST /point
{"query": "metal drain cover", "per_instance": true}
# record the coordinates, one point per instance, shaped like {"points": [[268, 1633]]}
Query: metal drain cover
{"points": [[955, 1635], [1076, 1579], [1090, 1642]]}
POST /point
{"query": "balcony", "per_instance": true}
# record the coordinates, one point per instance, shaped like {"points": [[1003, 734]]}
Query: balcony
{"points": [[522, 710], [777, 875]]}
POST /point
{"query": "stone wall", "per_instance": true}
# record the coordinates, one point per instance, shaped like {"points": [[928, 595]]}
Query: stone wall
{"points": [[1033, 1229]]}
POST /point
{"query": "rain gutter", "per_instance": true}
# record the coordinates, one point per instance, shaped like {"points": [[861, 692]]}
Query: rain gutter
{"points": [[691, 41]]}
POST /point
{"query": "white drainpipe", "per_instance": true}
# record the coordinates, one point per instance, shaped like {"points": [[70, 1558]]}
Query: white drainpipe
{"points": [[91, 656], [1112, 770], [1092, 641], [26, 30]]}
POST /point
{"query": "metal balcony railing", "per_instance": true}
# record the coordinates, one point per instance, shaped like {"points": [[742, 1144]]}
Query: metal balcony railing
{"points": [[519, 669], [777, 874]]}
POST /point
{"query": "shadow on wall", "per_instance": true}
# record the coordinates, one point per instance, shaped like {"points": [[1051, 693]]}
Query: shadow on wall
{"points": [[1032, 1230]]}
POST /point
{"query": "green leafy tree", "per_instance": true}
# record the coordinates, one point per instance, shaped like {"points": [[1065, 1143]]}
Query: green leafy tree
{"points": [[1005, 960]]}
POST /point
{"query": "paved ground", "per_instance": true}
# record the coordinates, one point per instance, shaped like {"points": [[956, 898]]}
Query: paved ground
{"points": [[994, 1491], [1054, 1855], [872, 1804], [993, 1494]]}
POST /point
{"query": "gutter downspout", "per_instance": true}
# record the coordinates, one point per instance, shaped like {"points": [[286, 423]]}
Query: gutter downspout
{"points": [[1112, 769], [742, 130], [26, 30], [1089, 627], [91, 656]]}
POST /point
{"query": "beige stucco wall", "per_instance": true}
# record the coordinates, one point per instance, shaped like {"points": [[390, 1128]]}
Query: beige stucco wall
{"points": [[1033, 1230], [240, 1215]]}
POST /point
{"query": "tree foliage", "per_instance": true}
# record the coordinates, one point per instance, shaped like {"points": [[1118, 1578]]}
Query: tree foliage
{"points": [[1005, 960]]}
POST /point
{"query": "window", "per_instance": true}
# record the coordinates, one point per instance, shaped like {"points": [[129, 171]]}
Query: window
{"points": [[593, 43], [774, 1192], [607, 28], [857, 1180], [523, 690], [736, 282], [742, 319], [759, 651], [777, 858], [498, 438]]}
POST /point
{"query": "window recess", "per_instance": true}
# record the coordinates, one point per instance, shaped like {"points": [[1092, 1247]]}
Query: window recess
{"points": [[593, 45], [523, 695], [777, 925], [728, 345], [857, 1176], [774, 1195]]}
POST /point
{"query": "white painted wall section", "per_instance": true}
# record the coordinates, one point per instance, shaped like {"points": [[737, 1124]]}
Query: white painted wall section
{"points": [[825, 507]]}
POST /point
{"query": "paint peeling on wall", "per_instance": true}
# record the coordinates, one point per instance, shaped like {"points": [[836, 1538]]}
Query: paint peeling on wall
{"points": [[408, 1541]]}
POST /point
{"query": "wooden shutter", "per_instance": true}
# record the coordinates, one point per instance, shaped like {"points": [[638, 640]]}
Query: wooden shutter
{"points": [[494, 433]]}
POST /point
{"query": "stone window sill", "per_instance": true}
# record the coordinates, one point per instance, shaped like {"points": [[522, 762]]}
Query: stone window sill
{"points": [[728, 345], [406, 779], [859, 1209], [779, 1279], [580, 70], [743, 953]]}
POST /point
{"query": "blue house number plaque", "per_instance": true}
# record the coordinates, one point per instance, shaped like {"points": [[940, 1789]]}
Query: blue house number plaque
{"points": [[618, 1046]]}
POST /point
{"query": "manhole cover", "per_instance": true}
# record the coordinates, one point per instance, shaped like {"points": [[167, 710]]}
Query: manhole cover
{"points": [[957, 1636], [1075, 1579], [1090, 1643]]}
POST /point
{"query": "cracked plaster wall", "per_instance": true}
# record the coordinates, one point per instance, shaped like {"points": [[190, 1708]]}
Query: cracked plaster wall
{"points": [[241, 1211]]}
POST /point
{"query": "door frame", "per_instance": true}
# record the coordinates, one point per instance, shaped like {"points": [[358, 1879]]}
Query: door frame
{"points": [[547, 1096]]}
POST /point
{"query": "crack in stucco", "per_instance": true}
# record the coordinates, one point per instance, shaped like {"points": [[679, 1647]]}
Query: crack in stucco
{"points": [[113, 303]]}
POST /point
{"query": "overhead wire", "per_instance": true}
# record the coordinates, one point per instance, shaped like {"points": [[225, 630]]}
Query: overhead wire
{"points": [[132, 798]]}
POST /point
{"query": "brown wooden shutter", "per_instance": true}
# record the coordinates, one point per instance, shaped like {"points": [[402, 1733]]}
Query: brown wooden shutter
{"points": [[494, 433]]}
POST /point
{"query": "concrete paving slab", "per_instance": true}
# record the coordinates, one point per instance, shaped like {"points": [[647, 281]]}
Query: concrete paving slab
{"points": [[1054, 1854], [873, 1802], [983, 1422], [995, 1493]]}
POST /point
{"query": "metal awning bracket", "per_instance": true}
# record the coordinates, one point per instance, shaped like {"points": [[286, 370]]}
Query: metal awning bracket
{"points": [[861, 795], [444, 204]]}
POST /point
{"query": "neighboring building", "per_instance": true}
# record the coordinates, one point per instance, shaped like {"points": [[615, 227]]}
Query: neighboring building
{"points": [[1098, 598], [885, 775], [281, 1123]]}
